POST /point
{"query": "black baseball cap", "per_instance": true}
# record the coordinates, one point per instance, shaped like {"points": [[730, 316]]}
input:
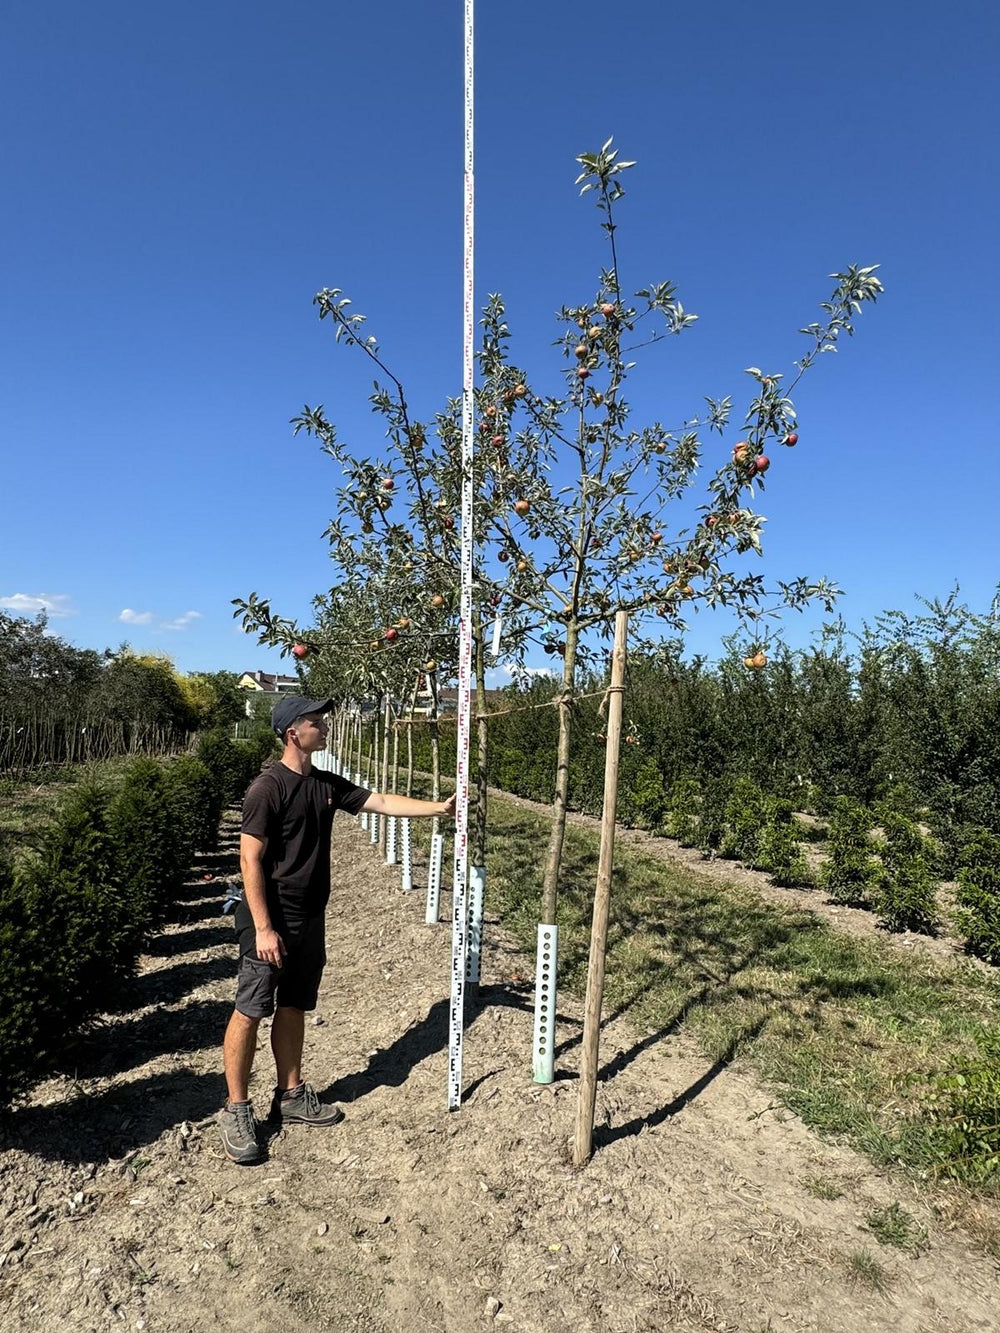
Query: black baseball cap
{"points": [[292, 707]]}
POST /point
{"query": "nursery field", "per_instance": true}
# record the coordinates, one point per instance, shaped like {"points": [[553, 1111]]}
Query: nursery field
{"points": [[760, 1161]]}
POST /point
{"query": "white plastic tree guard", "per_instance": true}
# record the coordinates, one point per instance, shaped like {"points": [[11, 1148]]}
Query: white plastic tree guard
{"points": [[407, 855], [434, 879], [374, 830], [477, 892], [542, 1045], [390, 841]]}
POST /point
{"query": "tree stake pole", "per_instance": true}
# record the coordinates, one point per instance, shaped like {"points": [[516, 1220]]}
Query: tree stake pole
{"points": [[583, 1137]]}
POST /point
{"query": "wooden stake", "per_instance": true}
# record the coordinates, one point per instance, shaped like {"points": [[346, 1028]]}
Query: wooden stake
{"points": [[583, 1137]]}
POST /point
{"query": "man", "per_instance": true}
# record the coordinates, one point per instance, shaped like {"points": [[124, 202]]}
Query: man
{"points": [[285, 858]]}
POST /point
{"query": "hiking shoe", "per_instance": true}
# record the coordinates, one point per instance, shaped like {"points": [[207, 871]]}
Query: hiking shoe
{"points": [[302, 1106], [239, 1133]]}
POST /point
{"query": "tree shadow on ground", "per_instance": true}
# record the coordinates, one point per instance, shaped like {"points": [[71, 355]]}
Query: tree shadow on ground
{"points": [[605, 1135], [170, 984], [188, 941], [107, 1125], [391, 1067]]}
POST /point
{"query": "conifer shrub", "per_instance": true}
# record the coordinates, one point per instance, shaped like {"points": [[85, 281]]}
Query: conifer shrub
{"points": [[850, 874], [907, 895], [978, 912], [780, 851], [147, 853], [681, 820], [194, 803]]}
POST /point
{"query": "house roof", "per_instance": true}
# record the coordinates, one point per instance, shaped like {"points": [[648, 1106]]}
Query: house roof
{"points": [[271, 683]]}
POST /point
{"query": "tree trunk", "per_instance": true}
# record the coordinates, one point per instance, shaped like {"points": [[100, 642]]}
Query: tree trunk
{"points": [[482, 737], [553, 860]]}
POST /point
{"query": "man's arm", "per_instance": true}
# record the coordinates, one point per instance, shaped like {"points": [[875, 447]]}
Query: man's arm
{"points": [[270, 946], [406, 807]]}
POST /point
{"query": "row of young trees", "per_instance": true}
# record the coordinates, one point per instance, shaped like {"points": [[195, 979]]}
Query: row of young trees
{"points": [[59, 703], [578, 512]]}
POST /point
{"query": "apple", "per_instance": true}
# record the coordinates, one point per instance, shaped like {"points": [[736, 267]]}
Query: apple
{"points": [[660, 446], [740, 452], [748, 662], [669, 567], [391, 635], [490, 411], [791, 440], [403, 622], [594, 332], [431, 666], [520, 390], [387, 483], [522, 566], [607, 309], [582, 372], [498, 440], [437, 600], [522, 507], [503, 557], [655, 538], [597, 398], [300, 650], [367, 528], [448, 522], [711, 521], [581, 350], [686, 590], [762, 463], [760, 660]]}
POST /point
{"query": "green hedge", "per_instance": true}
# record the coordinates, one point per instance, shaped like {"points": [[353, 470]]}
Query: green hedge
{"points": [[75, 915]]}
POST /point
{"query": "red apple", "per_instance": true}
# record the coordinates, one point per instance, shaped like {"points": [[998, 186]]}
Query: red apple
{"points": [[448, 522], [300, 650], [791, 440], [387, 483], [520, 390], [391, 635], [655, 538], [762, 463], [522, 507], [583, 372], [607, 309], [437, 600]]}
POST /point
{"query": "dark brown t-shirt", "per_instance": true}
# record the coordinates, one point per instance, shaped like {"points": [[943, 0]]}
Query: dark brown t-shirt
{"points": [[294, 812]]}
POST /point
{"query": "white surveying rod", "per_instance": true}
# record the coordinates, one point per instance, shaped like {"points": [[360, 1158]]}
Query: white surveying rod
{"points": [[460, 911]]}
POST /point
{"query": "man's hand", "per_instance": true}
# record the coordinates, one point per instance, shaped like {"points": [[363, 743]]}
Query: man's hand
{"points": [[270, 947], [448, 806]]}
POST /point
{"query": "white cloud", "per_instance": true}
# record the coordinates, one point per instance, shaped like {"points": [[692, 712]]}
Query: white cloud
{"points": [[26, 604], [181, 622], [131, 617]]}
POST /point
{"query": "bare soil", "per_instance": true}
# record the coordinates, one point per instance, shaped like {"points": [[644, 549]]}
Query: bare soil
{"points": [[699, 1210]]}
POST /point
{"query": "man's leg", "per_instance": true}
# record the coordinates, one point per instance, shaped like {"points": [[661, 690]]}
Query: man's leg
{"points": [[238, 1051], [287, 1036]]}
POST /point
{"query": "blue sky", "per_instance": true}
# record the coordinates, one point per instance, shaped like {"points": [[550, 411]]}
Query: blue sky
{"points": [[180, 180]]}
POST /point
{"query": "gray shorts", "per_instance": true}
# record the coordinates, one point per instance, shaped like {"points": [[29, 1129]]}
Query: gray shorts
{"points": [[295, 985]]}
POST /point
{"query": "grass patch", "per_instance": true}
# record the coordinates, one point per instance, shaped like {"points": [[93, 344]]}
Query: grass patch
{"points": [[895, 1226], [821, 1188], [849, 1032], [864, 1269]]}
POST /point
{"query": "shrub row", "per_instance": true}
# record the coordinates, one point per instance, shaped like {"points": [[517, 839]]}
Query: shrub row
{"points": [[76, 913]]}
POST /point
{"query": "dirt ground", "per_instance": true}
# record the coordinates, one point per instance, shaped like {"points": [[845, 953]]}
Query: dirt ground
{"points": [[698, 1211]]}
